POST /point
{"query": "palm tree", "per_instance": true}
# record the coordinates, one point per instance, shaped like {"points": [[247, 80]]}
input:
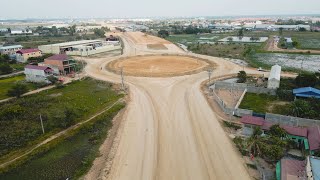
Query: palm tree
{"points": [[255, 142]]}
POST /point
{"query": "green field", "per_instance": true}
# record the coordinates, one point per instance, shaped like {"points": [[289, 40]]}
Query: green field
{"points": [[70, 158], [260, 103], [35, 41], [59, 107], [8, 83]]}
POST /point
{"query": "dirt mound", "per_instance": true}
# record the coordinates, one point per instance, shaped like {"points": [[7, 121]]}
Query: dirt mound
{"points": [[159, 66]]}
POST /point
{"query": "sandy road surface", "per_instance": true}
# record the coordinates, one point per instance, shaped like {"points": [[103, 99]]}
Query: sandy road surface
{"points": [[169, 130]]}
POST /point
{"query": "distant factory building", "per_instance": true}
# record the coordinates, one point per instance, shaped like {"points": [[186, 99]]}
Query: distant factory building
{"points": [[274, 77], [79, 48]]}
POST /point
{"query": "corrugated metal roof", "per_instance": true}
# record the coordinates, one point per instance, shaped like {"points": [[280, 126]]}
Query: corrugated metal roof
{"points": [[9, 47], [72, 43], [315, 166], [23, 51], [36, 67], [275, 72], [58, 57], [314, 137], [306, 90], [292, 169]]}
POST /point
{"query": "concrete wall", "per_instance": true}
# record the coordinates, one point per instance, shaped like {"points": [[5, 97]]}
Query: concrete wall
{"points": [[242, 86], [273, 83], [289, 120], [49, 49]]}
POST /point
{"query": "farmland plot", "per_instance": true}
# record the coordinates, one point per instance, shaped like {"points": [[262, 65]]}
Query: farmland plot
{"points": [[298, 61]]}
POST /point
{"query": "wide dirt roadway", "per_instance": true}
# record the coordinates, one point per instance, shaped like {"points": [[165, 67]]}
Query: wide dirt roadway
{"points": [[169, 131]]}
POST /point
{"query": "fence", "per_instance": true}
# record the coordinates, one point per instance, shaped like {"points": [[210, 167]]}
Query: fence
{"points": [[289, 120], [227, 110]]}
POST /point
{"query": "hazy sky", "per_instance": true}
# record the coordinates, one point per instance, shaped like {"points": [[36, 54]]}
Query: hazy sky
{"points": [[142, 8]]}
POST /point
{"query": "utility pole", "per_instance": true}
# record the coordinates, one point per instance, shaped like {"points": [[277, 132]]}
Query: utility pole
{"points": [[42, 124], [122, 79], [209, 75]]}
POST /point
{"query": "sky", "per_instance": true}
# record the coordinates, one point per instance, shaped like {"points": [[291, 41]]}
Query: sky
{"points": [[22, 9]]}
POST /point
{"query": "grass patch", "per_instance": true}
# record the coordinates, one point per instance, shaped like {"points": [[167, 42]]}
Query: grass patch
{"points": [[59, 107], [259, 103], [231, 125], [8, 83], [252, 166], [72, 156]]}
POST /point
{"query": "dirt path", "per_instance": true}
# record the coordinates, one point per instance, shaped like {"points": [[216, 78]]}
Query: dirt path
{"points": [[169, 130], [272, 45]]}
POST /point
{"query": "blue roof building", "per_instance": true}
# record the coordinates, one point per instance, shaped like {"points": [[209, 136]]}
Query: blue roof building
{"points": [[315, 166], [307, 92]]}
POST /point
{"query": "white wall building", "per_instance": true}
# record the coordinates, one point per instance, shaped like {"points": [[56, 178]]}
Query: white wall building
{"points": [[274, 77], [37, 74]]}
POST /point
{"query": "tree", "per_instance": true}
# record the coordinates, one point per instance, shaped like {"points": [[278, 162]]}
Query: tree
{"points": [[52, 79], [17, 90], [306, 80], [99, 32], [240, 33], [230, 39], [299, 108], [277, 131], [280, 31], [5, 68], [163, 33], [72, 30], [242, 77], [255, 142]]}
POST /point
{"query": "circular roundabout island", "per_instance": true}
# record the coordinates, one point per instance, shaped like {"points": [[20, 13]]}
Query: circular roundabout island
{"points": [[159, 65]]}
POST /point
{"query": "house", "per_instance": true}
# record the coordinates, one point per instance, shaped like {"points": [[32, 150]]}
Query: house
{"points": [[24, 54], [10, 50], [306, 138], [63, 62], [290, 169], [314, 139], [274, 77], [37, 74], [307, 92], [294, 169]]}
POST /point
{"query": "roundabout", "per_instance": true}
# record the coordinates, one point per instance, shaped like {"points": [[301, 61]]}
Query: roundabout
{"points": [[159, 65]]}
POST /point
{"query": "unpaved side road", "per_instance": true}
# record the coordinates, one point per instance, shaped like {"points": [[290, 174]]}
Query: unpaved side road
{"points": [[169, 130]]}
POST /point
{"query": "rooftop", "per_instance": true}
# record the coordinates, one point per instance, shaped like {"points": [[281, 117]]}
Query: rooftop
{"points": [[74, 43], [9, 47], [292, 169], [36, 67], [313, 137], [315, 166], [58, 57], [307, 92], [275, 72], [23, 51]]}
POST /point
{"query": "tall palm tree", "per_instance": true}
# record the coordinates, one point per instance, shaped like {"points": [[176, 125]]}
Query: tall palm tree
{"points": [[255, 142]]}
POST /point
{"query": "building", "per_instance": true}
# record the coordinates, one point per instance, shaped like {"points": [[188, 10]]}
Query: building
{"points": [[37, 74], [307, 138], [10, 50], [24, 54], [62, 48], [307, 92], [293, 169], [62, 62], [20, 32], [274, 77]]}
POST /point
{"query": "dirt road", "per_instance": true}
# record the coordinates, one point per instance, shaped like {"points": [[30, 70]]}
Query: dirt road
{"points": [[272, 45], [169, 130]]}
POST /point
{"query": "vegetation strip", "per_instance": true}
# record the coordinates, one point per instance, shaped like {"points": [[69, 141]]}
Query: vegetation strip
{"points": [[59, 134]]}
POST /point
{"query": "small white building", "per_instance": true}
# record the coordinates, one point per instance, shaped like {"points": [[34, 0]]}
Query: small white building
{"points": [[274, 77], [37, 74]]}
